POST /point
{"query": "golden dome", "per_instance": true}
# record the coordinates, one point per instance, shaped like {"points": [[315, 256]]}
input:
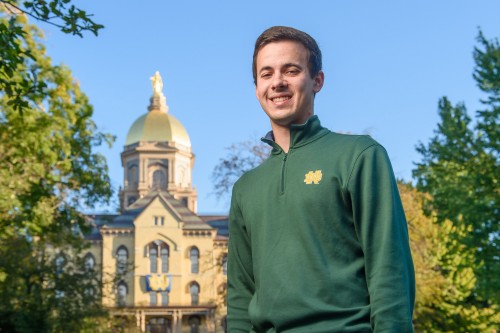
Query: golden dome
{"points": [[158, 124]]}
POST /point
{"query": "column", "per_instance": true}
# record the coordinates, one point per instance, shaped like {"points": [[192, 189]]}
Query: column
{"points": [[143, 321], [137, 319], [179, 323], [174, 321], [210, 321]]}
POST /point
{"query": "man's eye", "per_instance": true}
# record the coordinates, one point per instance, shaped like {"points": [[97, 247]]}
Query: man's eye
{"points": [[265, 75], [292, 71]]}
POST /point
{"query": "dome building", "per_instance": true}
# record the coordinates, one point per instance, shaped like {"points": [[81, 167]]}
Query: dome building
{"points": [[163, 266], [158, 154]]}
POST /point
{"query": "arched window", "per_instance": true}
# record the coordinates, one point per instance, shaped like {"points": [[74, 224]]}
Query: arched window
{"points": [[158, 324], [121, 259], [59, 262], [164, 259], [121, 293], [194, 290], [131, 200], [153, 259], [194, 324], [224, 264], [159, 180], [89, 292], [89, 262], [132, 176], [164, 298], [194, 255]]}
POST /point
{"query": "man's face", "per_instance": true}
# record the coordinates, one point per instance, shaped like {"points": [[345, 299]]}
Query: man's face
{"points": [[284, 86]]}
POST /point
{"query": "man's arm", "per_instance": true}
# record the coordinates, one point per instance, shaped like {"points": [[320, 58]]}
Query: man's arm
{"points": [[383, 233], [240, 279]]}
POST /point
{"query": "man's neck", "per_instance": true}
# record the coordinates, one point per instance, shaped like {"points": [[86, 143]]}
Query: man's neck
{"points": [[282, 137]]}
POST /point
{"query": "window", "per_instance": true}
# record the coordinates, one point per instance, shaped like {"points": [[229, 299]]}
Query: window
{"points": [[224, 264], [121, 293], [164, 259], [89, 292], [132, 176], [154, 325], [60, 261], [164, 298], [59, 294], [89, 262], [194, 324], [153, 259], [121, 259], [194, 255], [159, 180], [159, 220], [151, 250], [194, 290], [152, 298]]}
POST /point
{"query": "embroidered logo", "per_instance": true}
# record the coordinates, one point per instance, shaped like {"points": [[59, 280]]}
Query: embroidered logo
{"points": [[313, 177]]}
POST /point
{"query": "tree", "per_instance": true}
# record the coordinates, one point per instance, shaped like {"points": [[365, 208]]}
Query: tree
{"points": [[444, 272], [460, 170], [242, 157], [48, 171], [14, 52]]}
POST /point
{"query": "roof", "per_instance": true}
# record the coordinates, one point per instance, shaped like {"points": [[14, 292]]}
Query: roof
{"points": [[126, 220], [157, 126], [219, 222]]}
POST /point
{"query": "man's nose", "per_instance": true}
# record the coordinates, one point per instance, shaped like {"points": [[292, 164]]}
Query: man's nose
{"points": [[279, 82]]}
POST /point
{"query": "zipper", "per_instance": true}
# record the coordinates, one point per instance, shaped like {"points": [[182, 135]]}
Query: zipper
{"points": [[283, 166]]}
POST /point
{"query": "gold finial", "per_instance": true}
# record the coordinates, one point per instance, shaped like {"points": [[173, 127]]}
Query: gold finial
{"points": [[157, 83], [158, 100]]}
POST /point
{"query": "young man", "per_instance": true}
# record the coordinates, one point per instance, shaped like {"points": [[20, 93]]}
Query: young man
{"points": [[318, 239]]}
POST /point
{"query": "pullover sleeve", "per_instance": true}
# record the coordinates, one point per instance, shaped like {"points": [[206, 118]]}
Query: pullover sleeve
{"points": [[383, 234], [240, 279]]}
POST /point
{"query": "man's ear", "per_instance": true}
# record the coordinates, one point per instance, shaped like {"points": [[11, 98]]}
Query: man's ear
{"points": [[319, 79]]}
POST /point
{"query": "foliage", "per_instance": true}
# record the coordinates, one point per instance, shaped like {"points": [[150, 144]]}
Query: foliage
{"points": [[48, 169], [460, 170], [242, 157], [444, 272], [42, 294], [13, 49], [48, 164]]}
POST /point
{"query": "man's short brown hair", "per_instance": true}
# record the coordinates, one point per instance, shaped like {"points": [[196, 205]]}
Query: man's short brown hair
{"points": [[280, 33]]}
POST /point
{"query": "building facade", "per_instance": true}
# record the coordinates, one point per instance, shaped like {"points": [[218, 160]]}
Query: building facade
{"points": [[163, 266]]}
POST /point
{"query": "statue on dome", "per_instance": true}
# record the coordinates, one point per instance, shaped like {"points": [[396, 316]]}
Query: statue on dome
{"points": [[157, 83]]}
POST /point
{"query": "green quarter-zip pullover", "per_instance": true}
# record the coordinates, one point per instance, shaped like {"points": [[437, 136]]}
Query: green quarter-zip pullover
{"points": [[318, 240]]}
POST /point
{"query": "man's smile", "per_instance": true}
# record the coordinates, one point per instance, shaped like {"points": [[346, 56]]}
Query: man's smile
{"points": [[280, 99]]}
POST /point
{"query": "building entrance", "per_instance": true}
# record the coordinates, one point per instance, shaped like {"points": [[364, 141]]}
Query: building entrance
{"points": [[158, 325]]}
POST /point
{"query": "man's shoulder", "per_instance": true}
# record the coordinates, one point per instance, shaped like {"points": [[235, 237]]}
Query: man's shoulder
{"points": [[256, 173], [353, 143]]}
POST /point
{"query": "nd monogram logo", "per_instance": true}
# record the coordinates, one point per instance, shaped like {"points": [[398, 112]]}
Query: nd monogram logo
{"points": [[313, 177], [158, 282]]}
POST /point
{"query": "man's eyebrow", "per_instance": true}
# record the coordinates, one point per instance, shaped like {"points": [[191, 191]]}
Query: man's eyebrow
{"points": [[265, 68], [291, 64], [287, 65]]}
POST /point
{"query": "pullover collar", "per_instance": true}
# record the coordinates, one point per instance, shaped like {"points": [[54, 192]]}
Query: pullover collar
{"points": [[300, 134]]}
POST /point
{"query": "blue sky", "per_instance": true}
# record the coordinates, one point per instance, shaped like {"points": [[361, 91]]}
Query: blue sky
{"points": [[386, 65]]}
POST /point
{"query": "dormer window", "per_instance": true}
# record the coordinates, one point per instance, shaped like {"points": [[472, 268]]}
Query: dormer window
{"points": [[159, 220]]}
